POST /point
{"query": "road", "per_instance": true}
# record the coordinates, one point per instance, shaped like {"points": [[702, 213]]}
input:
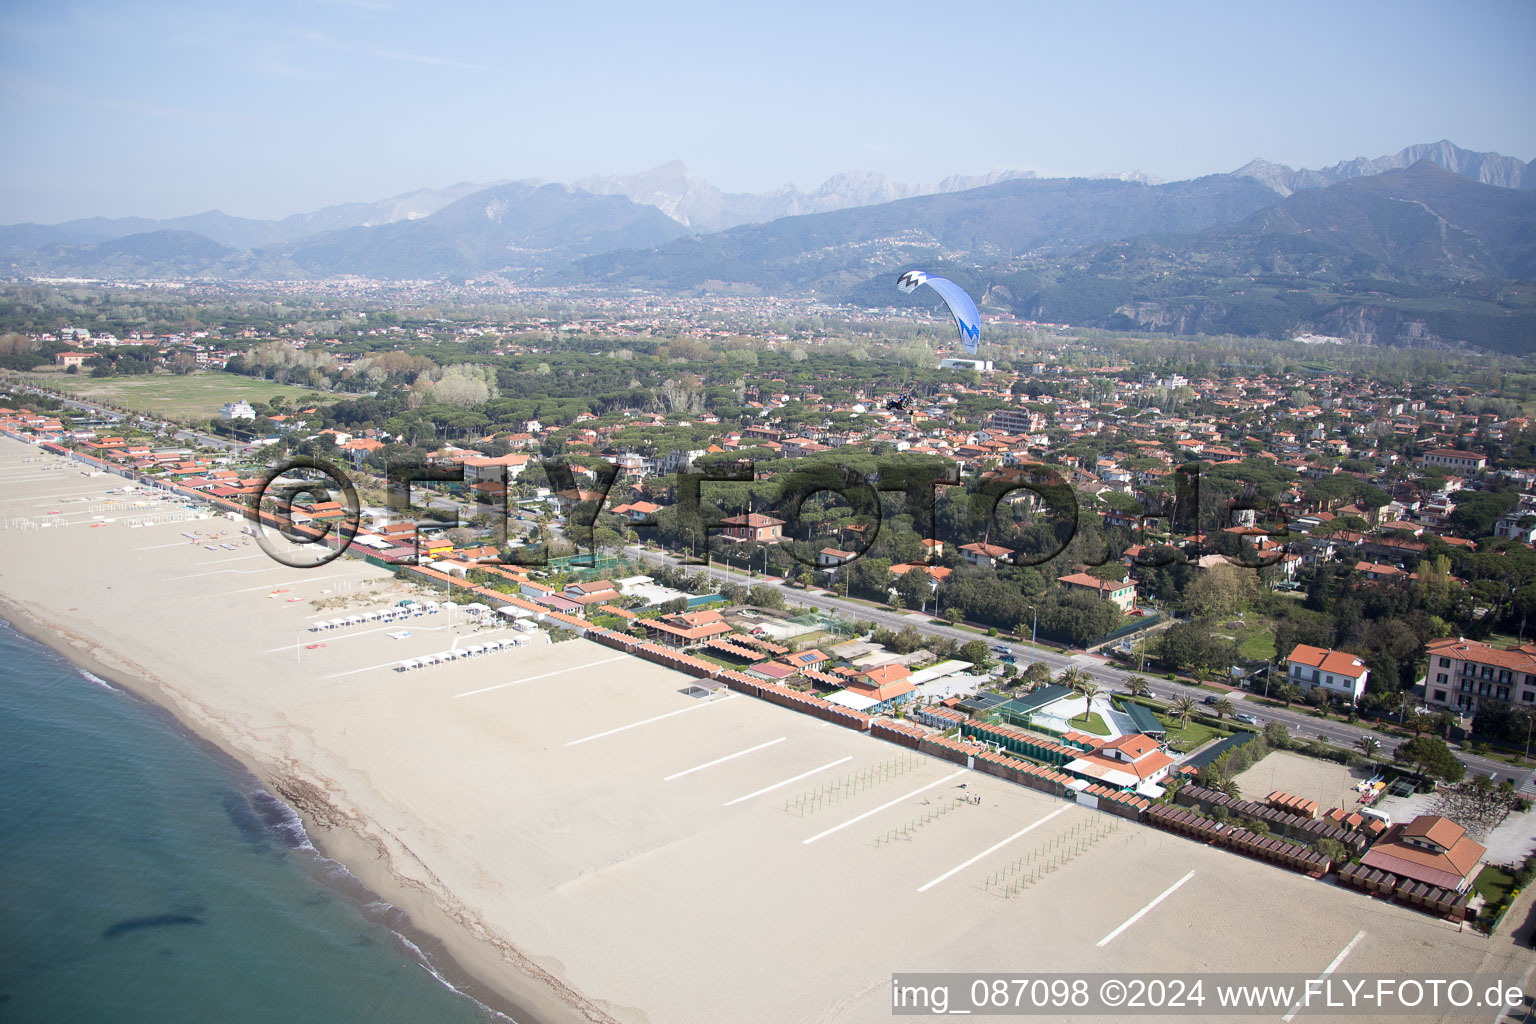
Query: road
{"points": [[1300, 724]]}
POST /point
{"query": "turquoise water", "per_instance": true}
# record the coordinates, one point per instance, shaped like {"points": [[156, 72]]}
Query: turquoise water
{"points": [[144, 879]]}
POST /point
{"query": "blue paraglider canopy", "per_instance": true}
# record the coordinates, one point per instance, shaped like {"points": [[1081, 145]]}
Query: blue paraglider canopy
{"points": [[967, 317]]}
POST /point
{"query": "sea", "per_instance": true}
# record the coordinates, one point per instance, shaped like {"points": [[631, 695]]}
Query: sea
{"points": [[145, 878]]}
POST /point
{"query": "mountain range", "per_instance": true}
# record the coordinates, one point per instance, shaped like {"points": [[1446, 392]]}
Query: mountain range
{"points": [[827, 253], [1413, 256], [1488, 168], [695, 203], [1419, 246]]}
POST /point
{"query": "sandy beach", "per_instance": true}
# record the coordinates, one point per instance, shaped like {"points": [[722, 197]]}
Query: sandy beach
{"points": [[588, 842]]}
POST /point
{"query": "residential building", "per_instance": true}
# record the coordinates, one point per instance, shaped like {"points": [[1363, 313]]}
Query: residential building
{"points": [[985, 554], [1016, 421], [1338, 673], [477, 468], [637, 511], [1452, 458], [753, 526], [1122, 593], [1462, 672], [1518, 525], [831, 558]]}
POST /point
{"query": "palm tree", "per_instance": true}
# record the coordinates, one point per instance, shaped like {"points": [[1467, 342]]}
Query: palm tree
{"points": [[1368, 745], [1223, 708], [1182, 708], [1138, 686], [1089, 689], [1071, 678], [1229, 787], [1288, 693]]}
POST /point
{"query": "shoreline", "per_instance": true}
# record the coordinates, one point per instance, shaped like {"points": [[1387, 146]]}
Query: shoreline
{"points": [[464, 959]]}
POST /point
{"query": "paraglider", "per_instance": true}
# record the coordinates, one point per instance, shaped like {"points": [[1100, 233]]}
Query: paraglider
{"points": [[898, 403], [967, 317]]}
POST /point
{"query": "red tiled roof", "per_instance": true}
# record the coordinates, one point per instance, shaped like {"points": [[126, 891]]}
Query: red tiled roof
{"points": [[1340, 663], [1518, 659]]}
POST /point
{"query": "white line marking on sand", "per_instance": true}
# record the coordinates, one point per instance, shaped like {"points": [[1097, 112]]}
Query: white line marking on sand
{"points": [[648, 721], [1106, 940], [290, 583], [722, 760], [797, 778], [216, 572], [877, 810], [529, 679], [184, 542], [995, 847], [1329, 970]]}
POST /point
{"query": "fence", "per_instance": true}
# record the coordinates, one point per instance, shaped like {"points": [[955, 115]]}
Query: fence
{"points": [[1131, 627]]}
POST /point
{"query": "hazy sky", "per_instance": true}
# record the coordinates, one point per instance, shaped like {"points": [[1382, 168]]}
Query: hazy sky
{"points": [[162, 109]]}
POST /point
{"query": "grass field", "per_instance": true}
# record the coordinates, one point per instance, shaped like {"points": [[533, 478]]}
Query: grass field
{"points": [[1494, 884], [1255, 639], [192, 397], [1258, 644], [1189, 737], [1094, 723]]}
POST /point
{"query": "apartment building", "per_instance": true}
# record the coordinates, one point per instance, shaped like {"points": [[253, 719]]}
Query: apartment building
{"points": [[1463, 672]]}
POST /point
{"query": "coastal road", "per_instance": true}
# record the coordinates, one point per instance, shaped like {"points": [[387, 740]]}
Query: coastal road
{"points": [[1109, 677]]}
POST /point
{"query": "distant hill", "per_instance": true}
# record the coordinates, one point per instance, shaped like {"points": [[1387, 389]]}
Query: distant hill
{"points": [[514, 226], [235, 232], [1488, 168], [1423, 221], [831, 252], [151, 254], [1416, 256]]}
